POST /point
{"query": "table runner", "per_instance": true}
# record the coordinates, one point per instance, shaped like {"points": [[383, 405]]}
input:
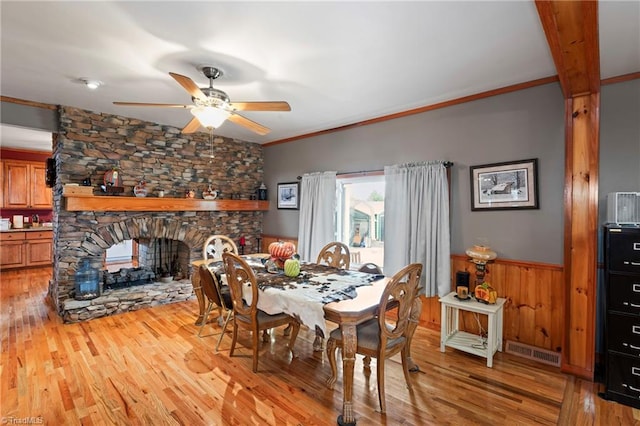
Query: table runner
{"points": [[304, 296]]}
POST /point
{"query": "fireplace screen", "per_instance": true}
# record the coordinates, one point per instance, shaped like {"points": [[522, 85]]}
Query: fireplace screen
{"points": [[150, 260]]}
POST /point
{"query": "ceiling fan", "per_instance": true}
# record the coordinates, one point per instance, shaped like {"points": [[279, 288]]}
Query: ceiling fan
{"points": [[211, 107]]}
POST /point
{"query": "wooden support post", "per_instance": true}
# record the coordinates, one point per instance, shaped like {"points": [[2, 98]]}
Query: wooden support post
{"points": [[581, 214]]}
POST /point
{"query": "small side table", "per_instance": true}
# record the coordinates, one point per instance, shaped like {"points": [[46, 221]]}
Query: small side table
{"points": [[450, 334]]}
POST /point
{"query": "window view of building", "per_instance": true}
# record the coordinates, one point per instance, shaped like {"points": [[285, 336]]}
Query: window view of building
{"points": [[360, 217]]}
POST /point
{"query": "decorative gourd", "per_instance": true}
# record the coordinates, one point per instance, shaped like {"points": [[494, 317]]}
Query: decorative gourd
{"points": [[486, 293], [281, 249], [292, 267]]}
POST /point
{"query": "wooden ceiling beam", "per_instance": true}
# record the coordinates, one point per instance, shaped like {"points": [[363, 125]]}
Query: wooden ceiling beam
{"points": [[571, 28]]}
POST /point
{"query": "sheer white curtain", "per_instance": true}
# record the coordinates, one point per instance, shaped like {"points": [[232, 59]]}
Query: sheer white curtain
{"points": [[317, 213], [416, 207]]}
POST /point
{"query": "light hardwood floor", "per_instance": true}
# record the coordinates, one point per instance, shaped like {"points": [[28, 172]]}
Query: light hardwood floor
{"points": [[148, 367]]}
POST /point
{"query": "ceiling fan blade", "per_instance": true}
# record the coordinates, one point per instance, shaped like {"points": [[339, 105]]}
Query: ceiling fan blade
{"points": [[145, 104], [251, 125], [261, 106], [191, 126], [189, 86]]}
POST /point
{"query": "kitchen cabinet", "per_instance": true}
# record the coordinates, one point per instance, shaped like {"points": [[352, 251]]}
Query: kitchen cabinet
{"points": [[622, 317], [27, 248], [24, 185], [1, 184]]}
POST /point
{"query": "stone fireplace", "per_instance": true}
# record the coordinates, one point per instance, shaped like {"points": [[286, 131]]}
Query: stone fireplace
{"points": [[90, 144]]}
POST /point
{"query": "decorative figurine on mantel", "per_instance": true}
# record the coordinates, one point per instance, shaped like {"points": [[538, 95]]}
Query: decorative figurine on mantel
{"points": [[243, 243], [210, 193], [112, 182], [262, 192], [140, 190]]}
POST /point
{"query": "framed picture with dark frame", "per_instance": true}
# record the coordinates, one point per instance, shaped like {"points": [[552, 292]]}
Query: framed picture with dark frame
{"points": [[510, 185], [289, 195]]}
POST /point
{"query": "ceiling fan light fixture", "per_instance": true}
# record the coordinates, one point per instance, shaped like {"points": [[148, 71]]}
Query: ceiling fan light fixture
{"points": [[210, 117], [91, 84]]}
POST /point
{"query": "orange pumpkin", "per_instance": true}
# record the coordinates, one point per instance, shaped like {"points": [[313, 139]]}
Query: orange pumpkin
{"points": [[281, 249]]}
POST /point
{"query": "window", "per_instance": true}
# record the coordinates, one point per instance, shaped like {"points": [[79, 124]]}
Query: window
{"points": [[360, 216]]}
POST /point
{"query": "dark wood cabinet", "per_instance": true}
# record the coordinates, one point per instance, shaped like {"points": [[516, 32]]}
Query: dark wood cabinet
{"points": [[622, 317]]}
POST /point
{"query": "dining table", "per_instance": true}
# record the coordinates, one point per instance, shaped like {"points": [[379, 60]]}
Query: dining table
{"points": [[322, 293]]}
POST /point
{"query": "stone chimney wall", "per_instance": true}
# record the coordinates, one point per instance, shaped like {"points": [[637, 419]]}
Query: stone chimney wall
{"points": [[89, 144]]}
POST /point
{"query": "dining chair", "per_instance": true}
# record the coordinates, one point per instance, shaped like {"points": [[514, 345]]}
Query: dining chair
{"points": [[248, 316], [215, 245], [383, 336], [370, 268], [217, 296], [355, 257], [335, 254]]}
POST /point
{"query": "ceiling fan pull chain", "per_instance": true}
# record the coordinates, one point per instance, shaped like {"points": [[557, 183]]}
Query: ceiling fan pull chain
{"points": [[211, 156]]}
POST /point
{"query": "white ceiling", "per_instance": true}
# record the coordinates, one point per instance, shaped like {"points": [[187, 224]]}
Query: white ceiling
{"points": [[336, 63]]}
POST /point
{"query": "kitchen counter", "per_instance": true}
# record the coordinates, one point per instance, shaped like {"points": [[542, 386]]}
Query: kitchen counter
{"points": [[39, 228]]}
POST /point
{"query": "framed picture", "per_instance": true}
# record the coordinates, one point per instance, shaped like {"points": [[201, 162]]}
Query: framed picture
{"points": [[501, 186], [289, 195]]}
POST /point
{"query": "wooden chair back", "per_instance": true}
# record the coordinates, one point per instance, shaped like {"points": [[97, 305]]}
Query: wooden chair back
{"points": [[239, 274], [216, 245], [208, 282], [335, 254], [386, 335], [397, 301]]}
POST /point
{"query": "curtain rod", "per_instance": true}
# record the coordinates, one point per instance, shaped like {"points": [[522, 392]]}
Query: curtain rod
{"points": [[447, 164]]}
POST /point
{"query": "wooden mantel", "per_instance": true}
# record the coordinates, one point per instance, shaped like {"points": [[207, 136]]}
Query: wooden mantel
{"points": [[148, 204]]}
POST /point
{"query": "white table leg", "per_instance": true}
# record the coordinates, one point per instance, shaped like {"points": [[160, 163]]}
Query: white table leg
{"points": [[491, 339], [499, 327], [443, 326]]}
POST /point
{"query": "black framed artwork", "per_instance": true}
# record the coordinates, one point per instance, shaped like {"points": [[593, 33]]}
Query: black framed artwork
{"points": [[289, 195], [505, 186]]}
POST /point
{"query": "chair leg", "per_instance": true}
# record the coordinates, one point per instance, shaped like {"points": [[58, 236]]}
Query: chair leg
{"points": [[234, 338], [380, 374], [224, 328], [205, 318], [254, 337], [404, 354], [220, 316], [331, 354], [367, 363]]}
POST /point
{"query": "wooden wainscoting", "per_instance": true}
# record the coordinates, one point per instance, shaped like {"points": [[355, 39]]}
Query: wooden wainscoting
{"points": [[534, 292]]}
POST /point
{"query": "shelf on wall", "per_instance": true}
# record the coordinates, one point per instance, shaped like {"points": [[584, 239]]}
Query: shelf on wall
{"points": [[152, 204]]}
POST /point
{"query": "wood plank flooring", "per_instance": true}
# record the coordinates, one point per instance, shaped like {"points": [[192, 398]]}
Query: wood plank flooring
{"points": [[148, 367]]}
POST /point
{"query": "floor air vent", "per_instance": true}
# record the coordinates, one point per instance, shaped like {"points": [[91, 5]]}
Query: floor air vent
{"points": [[531, 352]]}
